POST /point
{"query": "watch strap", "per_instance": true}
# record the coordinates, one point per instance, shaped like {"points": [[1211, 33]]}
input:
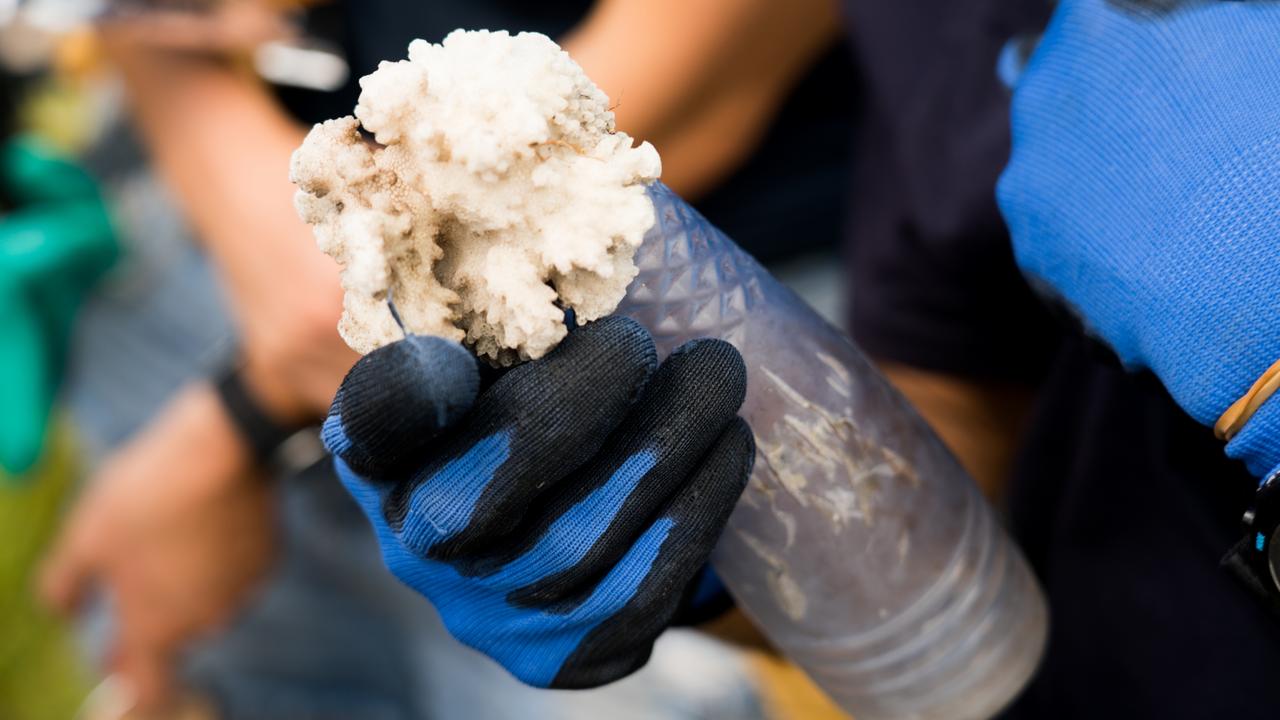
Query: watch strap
{"points": [[255, 426]]}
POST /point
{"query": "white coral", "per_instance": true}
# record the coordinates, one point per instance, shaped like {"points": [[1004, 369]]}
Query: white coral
{"points": [[497, 194]]}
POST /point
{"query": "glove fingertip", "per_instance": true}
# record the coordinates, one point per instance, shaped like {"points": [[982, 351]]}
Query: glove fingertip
{"points": [[454, 378], [397, 398], [716, 361], [619, 337]]}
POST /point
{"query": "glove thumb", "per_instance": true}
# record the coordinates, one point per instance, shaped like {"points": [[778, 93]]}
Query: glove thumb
{"points": [[396, 400]]}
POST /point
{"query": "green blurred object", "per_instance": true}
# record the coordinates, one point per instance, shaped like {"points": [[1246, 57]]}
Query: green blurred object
{"points": [[56, 242], [41, 676]]}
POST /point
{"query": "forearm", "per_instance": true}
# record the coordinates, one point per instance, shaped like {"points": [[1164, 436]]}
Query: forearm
{"points": [[222, 145], [980, 422], [717, 137], [701, 81], [205, 127]]}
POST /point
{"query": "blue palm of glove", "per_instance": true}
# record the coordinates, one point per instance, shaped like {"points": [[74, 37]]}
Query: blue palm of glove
{"points": [[558, 519], [1144, 190]]}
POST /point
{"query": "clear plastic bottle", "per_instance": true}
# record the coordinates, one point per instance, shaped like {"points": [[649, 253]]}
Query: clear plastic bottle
{"points": [[860, 548]]}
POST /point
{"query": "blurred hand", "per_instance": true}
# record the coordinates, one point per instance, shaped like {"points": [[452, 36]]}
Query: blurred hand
{"points": [[176, 531], [226, 26], [560, 519]]}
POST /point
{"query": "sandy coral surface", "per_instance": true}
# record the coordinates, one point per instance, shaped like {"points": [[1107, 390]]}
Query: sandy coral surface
{"points": [[495, 194]]}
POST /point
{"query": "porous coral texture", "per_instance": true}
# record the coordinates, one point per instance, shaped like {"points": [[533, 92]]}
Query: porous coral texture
{"points": [[498, 194]]}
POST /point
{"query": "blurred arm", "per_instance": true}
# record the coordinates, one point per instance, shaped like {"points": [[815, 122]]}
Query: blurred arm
{"points": [[223, 145], [177, 528], [701, 81], [980, 422]]}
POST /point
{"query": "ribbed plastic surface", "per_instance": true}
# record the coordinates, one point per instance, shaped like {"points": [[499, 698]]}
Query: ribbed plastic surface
{"points": [[861, 547]]}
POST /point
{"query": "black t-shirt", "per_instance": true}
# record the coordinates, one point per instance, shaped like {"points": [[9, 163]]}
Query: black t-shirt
{"points": [[786, 199], [1123, 504]]}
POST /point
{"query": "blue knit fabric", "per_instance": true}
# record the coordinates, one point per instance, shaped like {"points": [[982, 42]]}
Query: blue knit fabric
{"points": [[1144, 191], [559, 519]]}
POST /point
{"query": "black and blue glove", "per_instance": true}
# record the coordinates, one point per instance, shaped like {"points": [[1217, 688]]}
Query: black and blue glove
{"points": [[559, 518]]}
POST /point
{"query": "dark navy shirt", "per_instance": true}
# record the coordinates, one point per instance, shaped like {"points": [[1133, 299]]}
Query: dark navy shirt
{"points": [[1123, 504]]}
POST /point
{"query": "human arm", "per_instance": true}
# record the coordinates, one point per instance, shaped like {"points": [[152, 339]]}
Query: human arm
{"points": [[217, 138], [701, 81], [980, 421]]}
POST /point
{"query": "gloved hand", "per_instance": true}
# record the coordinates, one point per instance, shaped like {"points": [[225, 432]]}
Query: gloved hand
{"points": [[558, 519], [1144, 190]]}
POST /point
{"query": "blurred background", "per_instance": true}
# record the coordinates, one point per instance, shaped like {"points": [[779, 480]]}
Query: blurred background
{"points": [[148, 242]]}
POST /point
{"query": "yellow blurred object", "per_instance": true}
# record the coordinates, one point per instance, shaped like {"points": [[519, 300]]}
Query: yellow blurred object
{"points": [[62, 114], [79, 55], [63, 108], [41, 676], [789, 694]]}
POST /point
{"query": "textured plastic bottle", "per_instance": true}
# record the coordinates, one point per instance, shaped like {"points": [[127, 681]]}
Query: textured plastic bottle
{"points": [[860, 547]]}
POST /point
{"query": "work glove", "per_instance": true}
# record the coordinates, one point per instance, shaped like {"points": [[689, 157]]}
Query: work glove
{"points": [[1144, 191], [559, 518]]}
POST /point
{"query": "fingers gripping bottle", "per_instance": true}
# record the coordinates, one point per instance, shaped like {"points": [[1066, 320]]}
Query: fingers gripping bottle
{"points": [[860, 548]]}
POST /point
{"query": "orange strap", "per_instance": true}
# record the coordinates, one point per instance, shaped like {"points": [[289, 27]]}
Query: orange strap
{"points": [[1234, 419]]}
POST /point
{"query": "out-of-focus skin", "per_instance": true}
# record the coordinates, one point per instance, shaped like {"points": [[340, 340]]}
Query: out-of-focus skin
{"points": [[176, 538], [702, 88], [176, 527], [980, 422], [215, 136]]}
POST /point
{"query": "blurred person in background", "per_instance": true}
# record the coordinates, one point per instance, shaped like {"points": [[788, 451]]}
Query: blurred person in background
{"points": [[179, 526]]}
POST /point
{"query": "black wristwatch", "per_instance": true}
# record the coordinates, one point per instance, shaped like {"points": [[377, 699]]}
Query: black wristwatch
{"points": [[261, 433], [1255, 560]]}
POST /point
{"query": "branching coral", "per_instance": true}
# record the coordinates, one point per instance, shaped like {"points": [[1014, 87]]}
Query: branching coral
{"points": [[498, 194]]}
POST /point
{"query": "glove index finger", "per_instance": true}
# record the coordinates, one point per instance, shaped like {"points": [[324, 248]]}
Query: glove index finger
{"points": [[396, 400]]}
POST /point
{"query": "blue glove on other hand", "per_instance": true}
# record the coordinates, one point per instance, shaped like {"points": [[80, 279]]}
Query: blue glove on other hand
{"points": [[1144, 190], [557, 519]]}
